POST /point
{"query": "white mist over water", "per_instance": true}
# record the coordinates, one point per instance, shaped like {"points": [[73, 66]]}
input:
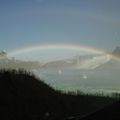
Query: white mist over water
{"points": [[96, 81]]}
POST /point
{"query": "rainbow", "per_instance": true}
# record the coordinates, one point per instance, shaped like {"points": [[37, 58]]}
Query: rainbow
{"points": [[63, 46], [55, 46]]}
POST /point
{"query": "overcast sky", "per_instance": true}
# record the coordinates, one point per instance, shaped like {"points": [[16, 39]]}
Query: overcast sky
{"points": [[89, 22]]}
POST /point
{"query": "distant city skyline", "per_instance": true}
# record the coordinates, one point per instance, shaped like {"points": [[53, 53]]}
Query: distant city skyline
{"points": [[29, 22]]}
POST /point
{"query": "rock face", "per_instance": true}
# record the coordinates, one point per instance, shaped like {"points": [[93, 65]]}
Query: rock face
{"points": [[117, 51], [112, 64]]}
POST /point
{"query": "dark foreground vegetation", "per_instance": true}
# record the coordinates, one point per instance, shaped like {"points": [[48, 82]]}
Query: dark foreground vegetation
{"points": [[25, 97]]}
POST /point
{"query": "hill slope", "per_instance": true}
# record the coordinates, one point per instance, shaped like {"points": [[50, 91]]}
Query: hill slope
{"points": [[23, 96], [111, 112]]}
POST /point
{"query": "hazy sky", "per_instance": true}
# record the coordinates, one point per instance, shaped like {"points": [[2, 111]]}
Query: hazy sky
{"points": [[89, 22]]}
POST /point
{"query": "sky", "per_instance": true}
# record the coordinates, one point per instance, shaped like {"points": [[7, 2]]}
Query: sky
{"points": [[31, 22]]}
